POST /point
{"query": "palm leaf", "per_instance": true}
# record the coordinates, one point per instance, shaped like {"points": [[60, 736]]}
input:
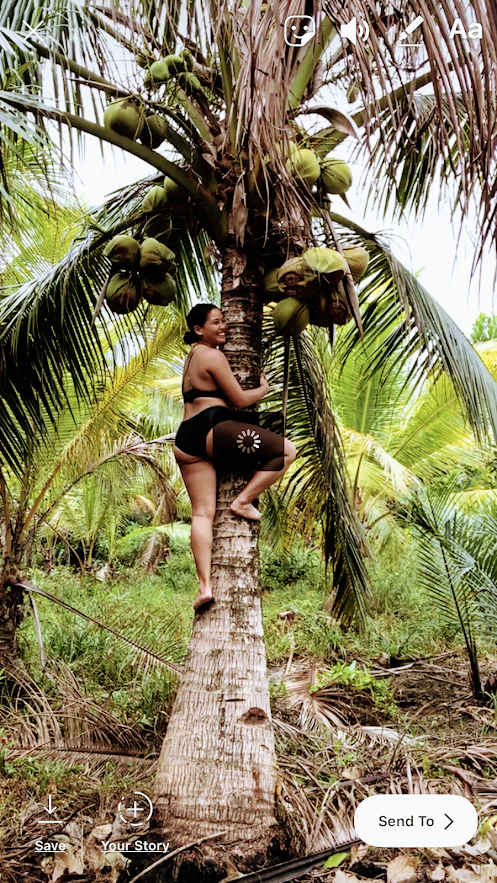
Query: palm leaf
{"points": [[402, 319], [46, 331], [29, 587], [416, 152], [454, 555], [462, 89], [318, 483]]}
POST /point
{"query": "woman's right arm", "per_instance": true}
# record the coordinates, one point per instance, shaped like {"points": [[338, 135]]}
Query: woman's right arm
{"points": [[225, 380]]}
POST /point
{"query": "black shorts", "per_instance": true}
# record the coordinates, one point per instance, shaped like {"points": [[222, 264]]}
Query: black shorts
{"points": [[240, 443]]}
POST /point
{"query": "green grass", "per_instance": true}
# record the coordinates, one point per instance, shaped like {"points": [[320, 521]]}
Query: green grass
{"points": [[402, 622], [155, 611]]}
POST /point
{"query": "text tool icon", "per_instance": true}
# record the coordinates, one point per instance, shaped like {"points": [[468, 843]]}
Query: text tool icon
{"points": [[349, 30], [412, 27], [299, 29]]}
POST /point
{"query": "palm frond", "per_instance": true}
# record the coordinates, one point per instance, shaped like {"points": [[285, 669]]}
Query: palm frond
{"points": [[461, 83], [29, 587], [403, 320], [66, 719], [416, 152], [454, 558], [318, 483], [46, 330]]}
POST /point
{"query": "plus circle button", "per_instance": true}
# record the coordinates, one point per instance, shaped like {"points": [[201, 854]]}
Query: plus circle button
{"points": [[135, 809]]}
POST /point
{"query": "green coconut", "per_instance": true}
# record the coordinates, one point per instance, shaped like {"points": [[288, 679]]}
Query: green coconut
{"points": [[325, 262], [156, 258], [154, 200], [175, 193], [175, 63], [358, 260], [336, 176], [125, 117], [123, 251], [272, 288], [161, 292], [154, 131], [292, 272], [143, 59], [187, 57], [271, 285], [189, 82], [296, 279], [291, 316], [304, 165], [123, 293], [158, 73]]}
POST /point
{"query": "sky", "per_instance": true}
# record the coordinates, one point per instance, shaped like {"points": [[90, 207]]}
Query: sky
{"points": [[429, 247]]}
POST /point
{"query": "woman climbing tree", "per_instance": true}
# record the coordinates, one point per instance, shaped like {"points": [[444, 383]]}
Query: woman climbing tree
{"points": [[212, 436]]}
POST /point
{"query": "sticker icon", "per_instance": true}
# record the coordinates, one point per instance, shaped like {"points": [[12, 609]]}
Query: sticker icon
{"points": [[299, 30]]}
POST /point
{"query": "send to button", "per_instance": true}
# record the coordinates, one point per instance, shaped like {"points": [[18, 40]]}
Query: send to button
{"points": [[415, 820]]}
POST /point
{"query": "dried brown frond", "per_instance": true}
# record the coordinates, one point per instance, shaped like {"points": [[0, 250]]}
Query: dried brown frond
{"points": [[328, 709], [68, 719], [318, 799], [260, 139]]}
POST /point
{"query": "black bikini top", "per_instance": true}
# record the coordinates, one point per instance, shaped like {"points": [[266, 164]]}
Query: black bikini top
{"points": [[191, 394]]}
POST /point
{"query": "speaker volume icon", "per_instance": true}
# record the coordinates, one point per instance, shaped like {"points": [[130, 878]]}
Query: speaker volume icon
{"points": [[350, 30]]}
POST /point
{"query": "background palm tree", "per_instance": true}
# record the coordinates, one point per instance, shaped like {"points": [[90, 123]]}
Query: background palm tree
{"points": [[227, 145]]}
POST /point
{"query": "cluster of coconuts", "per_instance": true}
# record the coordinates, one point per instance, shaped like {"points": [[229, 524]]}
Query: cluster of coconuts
{"points": [[309, 288], [139, 270], [127, 116], [173, 67], [334, 175], [160, 198]]}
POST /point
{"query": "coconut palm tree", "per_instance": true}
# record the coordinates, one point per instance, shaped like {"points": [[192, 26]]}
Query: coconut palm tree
{"points": [[93, 447], [228, 108]]}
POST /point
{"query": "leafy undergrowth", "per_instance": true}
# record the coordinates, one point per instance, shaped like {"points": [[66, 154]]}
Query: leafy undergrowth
{"points": [[388, 709]]}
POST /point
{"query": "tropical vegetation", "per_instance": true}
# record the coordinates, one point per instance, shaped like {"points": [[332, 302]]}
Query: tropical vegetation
{"points": [[250, 201]]}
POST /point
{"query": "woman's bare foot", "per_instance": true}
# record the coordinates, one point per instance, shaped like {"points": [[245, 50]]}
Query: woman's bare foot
{"points": [[245, 510], [204, 597]]}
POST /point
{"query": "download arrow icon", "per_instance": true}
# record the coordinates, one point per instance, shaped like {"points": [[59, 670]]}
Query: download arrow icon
{"points": [[50, 809]]}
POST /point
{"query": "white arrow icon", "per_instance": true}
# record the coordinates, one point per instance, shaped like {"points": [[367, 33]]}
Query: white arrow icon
{"points": [[50, 809]]}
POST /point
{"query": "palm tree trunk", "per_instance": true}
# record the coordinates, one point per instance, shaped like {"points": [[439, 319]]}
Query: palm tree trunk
{"points": [[11, 596], [11, 614], [217, 766]]}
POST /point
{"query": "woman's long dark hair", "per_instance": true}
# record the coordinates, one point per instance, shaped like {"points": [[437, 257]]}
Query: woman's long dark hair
{"points": [[197, 316]]}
